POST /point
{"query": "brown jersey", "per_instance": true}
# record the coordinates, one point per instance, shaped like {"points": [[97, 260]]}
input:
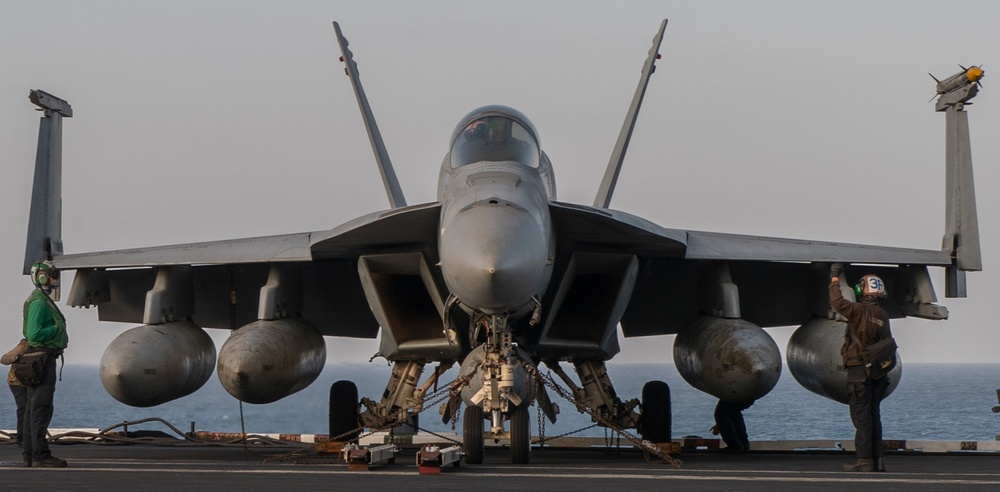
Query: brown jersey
{"points": [[867, 323]]}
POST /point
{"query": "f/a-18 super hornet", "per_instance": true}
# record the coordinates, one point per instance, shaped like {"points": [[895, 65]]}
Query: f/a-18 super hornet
{"points": [[498, 277]]}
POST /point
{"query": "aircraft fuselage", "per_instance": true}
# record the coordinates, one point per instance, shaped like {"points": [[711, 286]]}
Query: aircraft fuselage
{"points": [[496, 241]]}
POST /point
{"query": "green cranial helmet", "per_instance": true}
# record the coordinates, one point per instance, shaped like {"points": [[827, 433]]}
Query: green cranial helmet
{"points": [[44, 274]]}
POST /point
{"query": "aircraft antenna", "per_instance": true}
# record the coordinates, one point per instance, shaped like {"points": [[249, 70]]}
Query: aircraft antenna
{"points": [[607, 188], [392, 188]]}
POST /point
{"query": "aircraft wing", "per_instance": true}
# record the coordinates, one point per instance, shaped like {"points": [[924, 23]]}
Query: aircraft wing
{"points": [[289, 247], [718, 246], [409, 228], [331, 296], [680, 274], [365, 234]]}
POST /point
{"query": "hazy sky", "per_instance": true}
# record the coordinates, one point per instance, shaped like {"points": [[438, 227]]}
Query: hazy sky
{"points": [[198, 121]]}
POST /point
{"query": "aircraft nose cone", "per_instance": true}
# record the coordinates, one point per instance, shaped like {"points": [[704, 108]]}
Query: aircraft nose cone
{"points": [[494, 257]]}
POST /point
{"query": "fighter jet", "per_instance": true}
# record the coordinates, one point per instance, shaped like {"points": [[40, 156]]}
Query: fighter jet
{"points": [[498, 277]]}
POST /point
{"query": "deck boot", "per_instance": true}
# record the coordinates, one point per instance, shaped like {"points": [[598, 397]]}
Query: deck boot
{"points": [[862, 465], [49, 462]]}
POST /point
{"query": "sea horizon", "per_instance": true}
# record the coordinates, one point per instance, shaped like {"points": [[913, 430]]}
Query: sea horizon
{"points": [[933, 401]]}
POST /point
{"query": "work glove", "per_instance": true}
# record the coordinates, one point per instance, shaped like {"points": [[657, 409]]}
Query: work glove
{"points": [[836, 269]]}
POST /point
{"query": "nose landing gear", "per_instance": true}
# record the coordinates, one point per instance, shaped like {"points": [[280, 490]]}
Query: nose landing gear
{"points": [[499, 387]]}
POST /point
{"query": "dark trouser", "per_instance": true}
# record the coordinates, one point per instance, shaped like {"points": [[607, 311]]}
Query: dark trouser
{"points": [[865, 400], [38, 413], [732, 428], [20, 400]]}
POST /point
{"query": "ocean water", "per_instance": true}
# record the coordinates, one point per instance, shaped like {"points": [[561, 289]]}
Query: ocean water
{"points": [[932, 402]]}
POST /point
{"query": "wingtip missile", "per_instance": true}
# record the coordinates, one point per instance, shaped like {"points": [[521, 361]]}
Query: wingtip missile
{"points": [[971, 75], [974, 73]]}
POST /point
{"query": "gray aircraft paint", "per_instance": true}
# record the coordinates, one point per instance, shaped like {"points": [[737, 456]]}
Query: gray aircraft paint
{"points": [[594, 228]]}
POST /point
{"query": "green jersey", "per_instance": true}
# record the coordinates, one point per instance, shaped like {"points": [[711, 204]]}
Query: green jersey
{"points": [[44, 324]]}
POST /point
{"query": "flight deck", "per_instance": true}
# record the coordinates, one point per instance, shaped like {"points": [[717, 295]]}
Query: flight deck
{"points": [[289, 466]]}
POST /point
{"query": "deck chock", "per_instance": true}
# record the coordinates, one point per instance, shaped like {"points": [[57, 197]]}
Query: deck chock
{"points": [[358, 458], [669, 447], [698, 442], [330, 447], [416, 441], [431, 458]]}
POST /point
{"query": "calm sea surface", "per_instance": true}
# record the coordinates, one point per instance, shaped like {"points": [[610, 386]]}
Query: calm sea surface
{"points": [[932, 402]]}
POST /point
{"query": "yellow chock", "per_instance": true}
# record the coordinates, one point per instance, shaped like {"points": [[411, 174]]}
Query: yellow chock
{"points": [[669, 447], [333, 447]]}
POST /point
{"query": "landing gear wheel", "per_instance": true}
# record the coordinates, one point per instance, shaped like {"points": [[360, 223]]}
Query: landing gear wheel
{"points": [[344, 415], [520, 435], [655, 418], [472, 435]]}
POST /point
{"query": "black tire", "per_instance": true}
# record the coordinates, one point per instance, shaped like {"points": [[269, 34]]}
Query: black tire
{"points": [[344, 413], [520, 435], [655, 419], [472, 434]]}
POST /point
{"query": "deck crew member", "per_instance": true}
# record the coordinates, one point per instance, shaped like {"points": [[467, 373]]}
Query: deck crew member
{"points": [[45, 331], [867, 323], [18, 390]]}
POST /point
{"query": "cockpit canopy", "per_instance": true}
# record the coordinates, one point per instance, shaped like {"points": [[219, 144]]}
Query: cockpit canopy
{"points": [[494, 134]]}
